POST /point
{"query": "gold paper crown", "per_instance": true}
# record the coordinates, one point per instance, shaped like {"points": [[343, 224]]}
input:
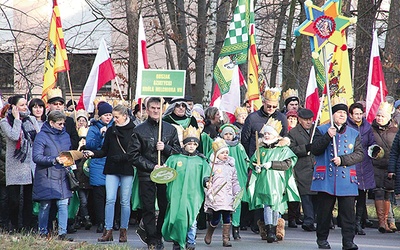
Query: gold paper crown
{"points": [[191, 132], [290, 93], [385, 108], [272, 94], [99, 99], [338, 100], [240, 110], [276, 124], [82, 131], [56, 92], [81, 113], [197, 115], [218, 144]]}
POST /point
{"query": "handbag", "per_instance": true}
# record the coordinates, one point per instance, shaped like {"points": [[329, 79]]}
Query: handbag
{"points": [[73, 181]]}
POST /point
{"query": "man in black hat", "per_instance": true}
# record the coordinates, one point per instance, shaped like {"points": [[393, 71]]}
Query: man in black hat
{"points": [[56, 102], [300, 137], [335, 176]]}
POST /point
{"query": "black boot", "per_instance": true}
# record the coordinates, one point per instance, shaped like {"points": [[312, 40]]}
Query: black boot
{"points": [[359, 229], [87, 223], [271, 235], [235, 233]]}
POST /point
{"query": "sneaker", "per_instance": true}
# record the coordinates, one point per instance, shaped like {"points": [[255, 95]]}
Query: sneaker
{"points": [[64, 237], [160, 245], [142, 234]]}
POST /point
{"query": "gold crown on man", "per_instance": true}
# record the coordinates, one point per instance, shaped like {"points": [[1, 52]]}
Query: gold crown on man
{"points": [[240, 110], [386, 108], [338, 100], [83, 131], [191, 132], [272, 94], [276, 124], [218, 144], [290, 93], [56, 92]]}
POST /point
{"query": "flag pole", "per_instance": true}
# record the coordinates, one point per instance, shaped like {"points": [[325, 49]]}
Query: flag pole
{"points": [[72, 96], [321, 103], [328, 94], [159, 130], [119, 88]]}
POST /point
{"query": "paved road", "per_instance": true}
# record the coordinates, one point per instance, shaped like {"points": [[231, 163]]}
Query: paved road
{"points": [[295, 239]]}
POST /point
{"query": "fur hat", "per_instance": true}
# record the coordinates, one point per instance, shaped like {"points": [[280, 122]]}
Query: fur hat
{"points": [[104, 108]]}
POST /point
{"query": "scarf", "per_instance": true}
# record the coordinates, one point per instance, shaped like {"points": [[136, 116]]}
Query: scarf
{"points": [[27, 136]]}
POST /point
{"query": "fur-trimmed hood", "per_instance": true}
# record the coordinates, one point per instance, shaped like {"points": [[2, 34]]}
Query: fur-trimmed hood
{"points": [[281, 142]]}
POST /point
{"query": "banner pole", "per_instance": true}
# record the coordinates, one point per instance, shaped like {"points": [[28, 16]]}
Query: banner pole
{"points": [[159, 130]]}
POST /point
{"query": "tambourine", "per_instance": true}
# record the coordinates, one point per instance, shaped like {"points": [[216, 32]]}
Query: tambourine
{"points": [[163, 175]]}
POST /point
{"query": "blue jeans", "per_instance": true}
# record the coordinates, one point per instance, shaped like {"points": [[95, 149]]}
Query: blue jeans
{"points": [[191, 234], [270, 216], [112, 184], [62, 216]]}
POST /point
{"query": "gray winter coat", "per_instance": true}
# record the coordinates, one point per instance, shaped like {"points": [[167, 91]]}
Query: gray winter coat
{"points": [[17, 172], [303, 170]]}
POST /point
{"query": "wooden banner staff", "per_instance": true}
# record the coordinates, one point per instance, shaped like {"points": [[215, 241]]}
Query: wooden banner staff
{"points": [[212, 169], [321, 103], [119, 89], [72, 96], [328, 93], [258, 150], [160, 129]]}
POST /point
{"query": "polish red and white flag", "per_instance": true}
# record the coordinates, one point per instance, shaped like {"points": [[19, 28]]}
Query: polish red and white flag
{"points": [[376, 86], [101, 73], [312, 96]]}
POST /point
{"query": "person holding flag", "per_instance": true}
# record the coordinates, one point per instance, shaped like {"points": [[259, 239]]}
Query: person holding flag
{"points": [[335, 176]]}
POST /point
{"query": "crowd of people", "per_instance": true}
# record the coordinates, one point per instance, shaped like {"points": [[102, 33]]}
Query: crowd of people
{"points": [[243, 171]]}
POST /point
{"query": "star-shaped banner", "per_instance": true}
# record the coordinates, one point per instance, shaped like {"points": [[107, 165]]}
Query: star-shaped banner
{"points": [[323, 24]]}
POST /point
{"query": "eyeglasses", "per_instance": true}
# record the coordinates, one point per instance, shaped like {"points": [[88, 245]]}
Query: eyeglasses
{"points": [[271, 106], [60, 123], [180, 105], [58, 103]]}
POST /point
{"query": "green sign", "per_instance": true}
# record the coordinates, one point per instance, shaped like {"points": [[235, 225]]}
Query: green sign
{"points": [[162, 83]]}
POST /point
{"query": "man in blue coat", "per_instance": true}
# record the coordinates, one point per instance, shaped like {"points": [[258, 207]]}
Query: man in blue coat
{"points": [[335, 175]]}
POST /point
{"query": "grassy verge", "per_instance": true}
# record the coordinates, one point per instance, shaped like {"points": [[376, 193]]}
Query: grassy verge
{"points": [[33, 242]]}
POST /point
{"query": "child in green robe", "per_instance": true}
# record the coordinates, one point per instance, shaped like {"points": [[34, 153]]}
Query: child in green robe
{"points": [[274, 184], [185, 194]]}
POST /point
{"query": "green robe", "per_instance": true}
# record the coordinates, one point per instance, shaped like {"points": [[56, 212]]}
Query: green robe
{"points": [[273, 187], [206, 144], [185, 195], [237, 151]]}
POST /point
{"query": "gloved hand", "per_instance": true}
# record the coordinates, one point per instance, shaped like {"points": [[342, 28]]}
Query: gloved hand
{"points": [[267, 165], [210, 195], [257, 168]]}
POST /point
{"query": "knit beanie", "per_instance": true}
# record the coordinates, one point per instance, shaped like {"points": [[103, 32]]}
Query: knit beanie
{"points": [[104, 108]]}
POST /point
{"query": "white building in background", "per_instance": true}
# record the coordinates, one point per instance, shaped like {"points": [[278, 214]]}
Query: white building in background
{"points": [[24, 26]]}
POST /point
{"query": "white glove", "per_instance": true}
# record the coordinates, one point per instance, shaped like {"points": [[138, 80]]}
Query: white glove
{"points": [[258, 169], [267, 165], [210, 196]]}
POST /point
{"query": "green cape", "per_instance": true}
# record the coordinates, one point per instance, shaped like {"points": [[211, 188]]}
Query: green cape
{"points": [[185, 196], [273, 187]]}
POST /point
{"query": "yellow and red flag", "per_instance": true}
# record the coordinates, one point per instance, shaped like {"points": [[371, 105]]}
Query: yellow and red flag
{"points": [[56, 59]]}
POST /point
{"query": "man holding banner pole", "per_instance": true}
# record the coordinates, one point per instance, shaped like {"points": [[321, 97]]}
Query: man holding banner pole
{"points": [[143, 150]]}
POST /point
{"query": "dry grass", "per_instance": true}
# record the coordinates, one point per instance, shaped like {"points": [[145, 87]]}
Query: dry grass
{"points": [[33, 242]]}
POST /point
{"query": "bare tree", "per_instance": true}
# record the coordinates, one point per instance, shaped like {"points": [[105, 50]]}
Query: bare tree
{"points": [[392, 50]]}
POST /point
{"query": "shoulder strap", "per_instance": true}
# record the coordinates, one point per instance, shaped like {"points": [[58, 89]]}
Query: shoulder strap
{"points": [[119, 143], [55, 144]]}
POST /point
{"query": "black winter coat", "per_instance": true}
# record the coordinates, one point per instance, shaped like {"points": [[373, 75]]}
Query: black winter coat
{"points": [[117, 162], [394, 162], [142, 148]]}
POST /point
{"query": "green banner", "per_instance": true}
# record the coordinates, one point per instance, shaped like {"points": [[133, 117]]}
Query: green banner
{"points": [[162, 83]]}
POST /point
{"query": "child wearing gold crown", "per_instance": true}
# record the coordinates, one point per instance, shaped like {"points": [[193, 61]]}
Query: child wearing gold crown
{"points": [[221, 191], [230, 133], [272, 183], [185, 194]]}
